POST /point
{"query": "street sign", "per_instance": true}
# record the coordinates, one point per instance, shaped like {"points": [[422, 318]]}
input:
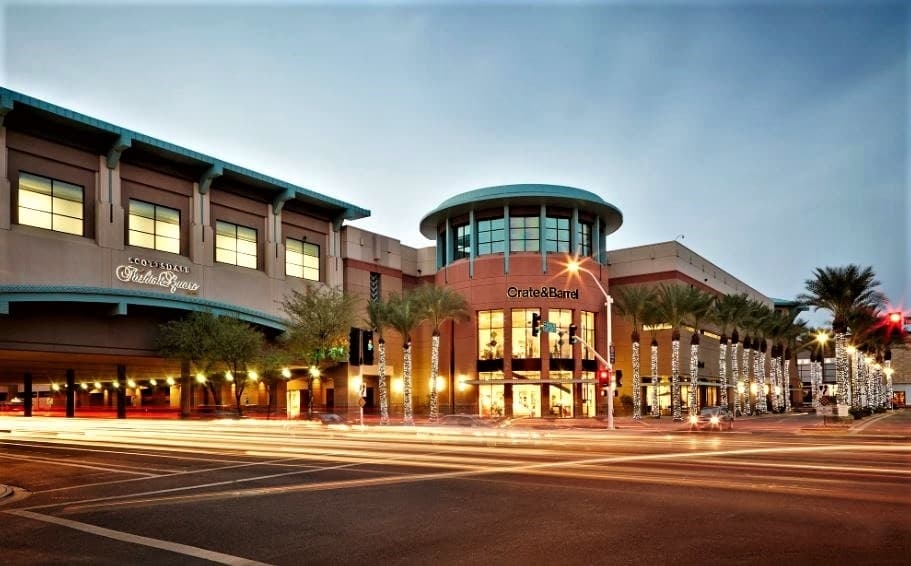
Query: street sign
{"points": [[548, 326]]}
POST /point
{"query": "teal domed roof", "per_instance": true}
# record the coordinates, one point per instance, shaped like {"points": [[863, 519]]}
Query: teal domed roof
{"points": [[523, 195]]}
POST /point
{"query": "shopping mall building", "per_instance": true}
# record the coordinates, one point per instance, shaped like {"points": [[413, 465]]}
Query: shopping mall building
{"points": [[106, 234]]}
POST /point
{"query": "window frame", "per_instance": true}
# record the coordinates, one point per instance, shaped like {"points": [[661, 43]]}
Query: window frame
{"points": [[155, 223], [304, 268], [52, 216], [236, 229]]}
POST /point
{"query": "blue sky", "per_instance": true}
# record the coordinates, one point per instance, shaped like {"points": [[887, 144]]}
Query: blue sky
{"points": [[773, 135]]}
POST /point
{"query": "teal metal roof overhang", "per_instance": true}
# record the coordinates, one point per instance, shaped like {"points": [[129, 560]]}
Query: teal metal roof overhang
{"points": [[120, 299], [522, 195], [29, 115]]}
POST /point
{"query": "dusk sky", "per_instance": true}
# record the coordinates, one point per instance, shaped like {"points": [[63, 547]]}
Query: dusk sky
{"points": [[773, 135]]}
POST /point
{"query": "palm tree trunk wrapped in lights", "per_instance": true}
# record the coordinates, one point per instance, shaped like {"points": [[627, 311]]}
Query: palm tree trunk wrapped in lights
{"points": [[735, 372], [759, 362], [747, 378], [815, 380], [381, 382], [787, 380], [407, 404], [694, 375], [637, 385], [723, 370], [434, 372], [675, 377], [777, 400], [656, 407]]}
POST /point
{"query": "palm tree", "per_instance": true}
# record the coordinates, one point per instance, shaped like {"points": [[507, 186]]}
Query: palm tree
{"points": [[438, 305], [729, 310], [674, 308], [632, 302], [376, 319], [700, 305], [840, 290], [403, 316]]}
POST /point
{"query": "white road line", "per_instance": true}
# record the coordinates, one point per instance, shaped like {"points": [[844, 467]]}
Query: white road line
{"points": [[178, 548], [58, 462]]}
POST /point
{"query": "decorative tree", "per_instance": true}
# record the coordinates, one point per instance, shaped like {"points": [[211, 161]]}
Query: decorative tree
{"points": [[403, 315], [632, 302], [320, 319], [376, 319]]}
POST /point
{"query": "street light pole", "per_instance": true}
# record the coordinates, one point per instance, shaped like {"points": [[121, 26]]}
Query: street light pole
{"points": [[608, 301]]}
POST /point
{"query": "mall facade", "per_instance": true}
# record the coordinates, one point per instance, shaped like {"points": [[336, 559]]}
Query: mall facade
{"points": [[105, 234]]}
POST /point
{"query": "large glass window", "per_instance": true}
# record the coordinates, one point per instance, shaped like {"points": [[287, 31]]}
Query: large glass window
{"points": [[524, 234], [154, 227], [462, 242], [50, 204], [301, 259], [556, 234], [559, 343], [490, 335], [584, 240], [587, 331], [524, 345], [491, 236], [235, 244]]}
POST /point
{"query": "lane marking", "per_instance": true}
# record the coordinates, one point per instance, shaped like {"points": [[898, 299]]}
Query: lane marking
{"points": [[169, 546], [56, 462]]}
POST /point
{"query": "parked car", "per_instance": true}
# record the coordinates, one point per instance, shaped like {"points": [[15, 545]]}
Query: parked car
{"points": [[713, 418]]}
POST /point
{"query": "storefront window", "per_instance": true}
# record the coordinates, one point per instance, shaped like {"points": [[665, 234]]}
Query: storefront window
{"points": [[524, 345], [559, 343], [587, 331], [490, 335], [491, 400], [491, 236], [524, 234]]}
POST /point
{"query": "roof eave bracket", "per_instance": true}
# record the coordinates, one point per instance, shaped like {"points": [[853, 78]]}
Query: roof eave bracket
{"points": [[279, 201], [117, 148], [210, 175]]}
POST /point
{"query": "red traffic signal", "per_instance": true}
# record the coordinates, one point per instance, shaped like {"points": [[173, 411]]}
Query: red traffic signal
{"points": [[604, 377]]}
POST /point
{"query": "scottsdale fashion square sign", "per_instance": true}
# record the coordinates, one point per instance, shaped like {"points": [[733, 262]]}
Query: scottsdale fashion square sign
{"points": [[156, 274]]}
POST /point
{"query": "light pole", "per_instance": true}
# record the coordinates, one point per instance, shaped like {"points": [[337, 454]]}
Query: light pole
{"points": [[574, 267]]}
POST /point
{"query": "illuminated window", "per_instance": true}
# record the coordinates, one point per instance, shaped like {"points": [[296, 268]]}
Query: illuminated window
{"points": [[524, 345], [462, 242], [491, 236], [490, 335], [587, 331], [301, 259], [50, 204], [235, 244], [584, 239], [559, 343], [524, 234], [154, 227], [556, 234]]}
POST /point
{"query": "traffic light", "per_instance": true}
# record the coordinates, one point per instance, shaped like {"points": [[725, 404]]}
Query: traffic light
{"points": [[367, 346], [604, 377], [618, 378], [535, 323], [572, 333], [895, 318], [354, 347]]}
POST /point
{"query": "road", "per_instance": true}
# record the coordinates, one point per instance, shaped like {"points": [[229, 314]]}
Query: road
{"points": [[773, 491]]}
